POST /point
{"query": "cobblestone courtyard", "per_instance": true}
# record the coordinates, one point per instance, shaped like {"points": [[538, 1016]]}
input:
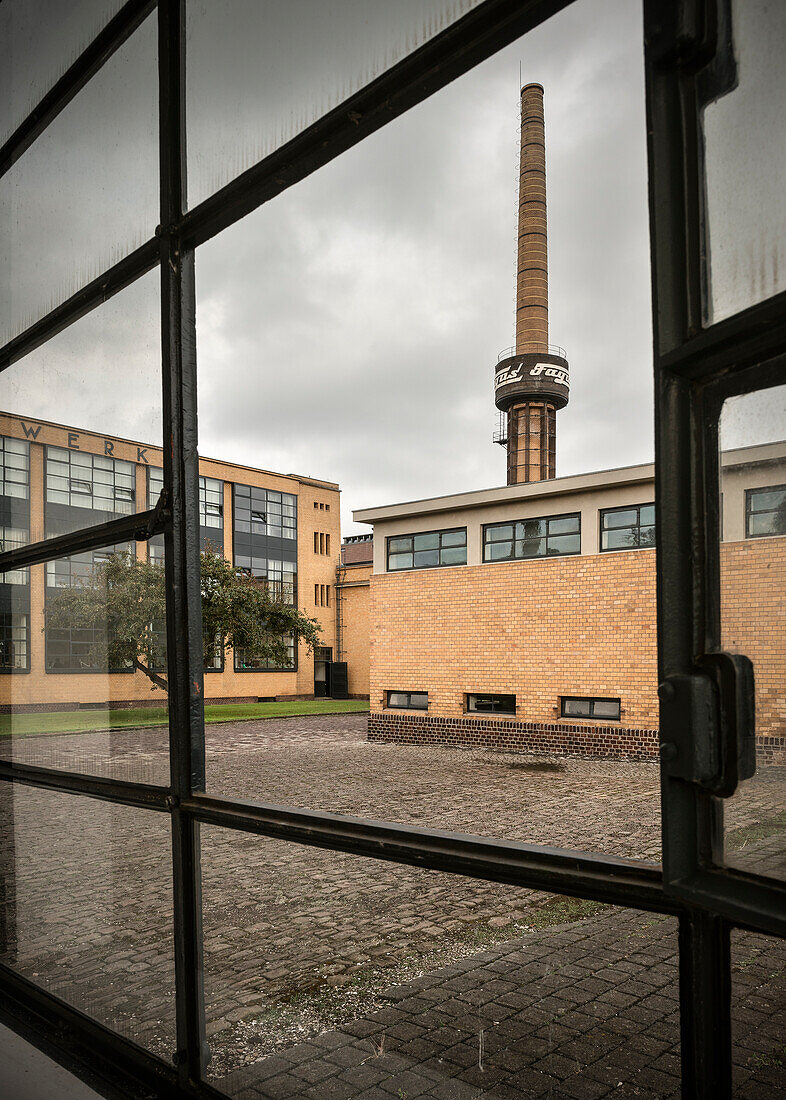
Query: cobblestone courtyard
{"points": [[332, 975]]}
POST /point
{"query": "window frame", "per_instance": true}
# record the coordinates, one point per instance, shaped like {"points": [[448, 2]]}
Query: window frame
{"points": [[408, 705], [510, 712], [592, 700], [749, 512], [529, 519], [416, 534], [602, 512]]}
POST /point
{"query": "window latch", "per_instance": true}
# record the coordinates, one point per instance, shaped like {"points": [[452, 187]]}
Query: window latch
{"points": [[708, 723]]}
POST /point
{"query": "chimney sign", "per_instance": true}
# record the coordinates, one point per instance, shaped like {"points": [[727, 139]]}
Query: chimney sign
{"points": [[516, 372]]}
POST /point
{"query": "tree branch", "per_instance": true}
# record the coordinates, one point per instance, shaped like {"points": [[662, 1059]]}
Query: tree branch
{"points": [[159, 681]]}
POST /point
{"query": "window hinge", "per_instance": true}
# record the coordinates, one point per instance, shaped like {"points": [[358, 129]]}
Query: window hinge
{"points": [[707, 723]]}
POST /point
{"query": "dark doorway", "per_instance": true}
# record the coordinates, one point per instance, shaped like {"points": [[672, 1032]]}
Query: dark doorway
{"points": [[323, 660]]}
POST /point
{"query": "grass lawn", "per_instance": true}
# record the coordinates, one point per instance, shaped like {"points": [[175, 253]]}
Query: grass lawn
{"points": [[81, 721]]}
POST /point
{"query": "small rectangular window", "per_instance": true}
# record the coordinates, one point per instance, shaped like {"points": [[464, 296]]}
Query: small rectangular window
{"points": [[550, 536], [628, 528], [428, 550], [765, 511], [603, 709], [491, 704], [408, 700], [316, 595], [316, 542]]}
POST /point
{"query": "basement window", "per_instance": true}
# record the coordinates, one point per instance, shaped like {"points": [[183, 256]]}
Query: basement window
{"points": [[491, 704], [605, 709], [408, 700]]}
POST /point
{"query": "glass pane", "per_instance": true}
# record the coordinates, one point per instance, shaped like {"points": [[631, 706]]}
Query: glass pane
{"points": [[745, 152], [86, 897], [503, 531], [85, 194], [426, 558], [531, 548], [404, 982], [567, 526], [621, 517], [753, 597], [454, 538], [499, 551], [565, 544], [456, 555], [260, 74], [41, 39], [75, 639], [82, 421], [399, 544], [427, 542], [758, 1014], [384, 315]]}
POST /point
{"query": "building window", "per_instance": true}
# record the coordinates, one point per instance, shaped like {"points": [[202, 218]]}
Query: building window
{"points": [[606, 709], [765, 511], [10, 539], [13, 642], [264, 512], [408, 700], [83, 480], [155, 485], [247, 662], [428, 550], [532, 538], [280, 576], [491, 704], [14, 468], [211, 502], [629, 528], [71, 648]]}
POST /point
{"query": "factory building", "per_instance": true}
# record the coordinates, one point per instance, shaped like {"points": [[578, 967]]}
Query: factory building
{"points": [[55, 479], [524, 617]]}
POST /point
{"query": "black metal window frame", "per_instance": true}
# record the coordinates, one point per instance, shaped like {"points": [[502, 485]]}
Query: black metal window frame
{"points": [[591, 708], [261, 511], [413, 550], [635, 528], [77, 486], [407, 697], [249, 663], [10, 627], [750, 512], [12, 464], [515, 537], [487, 702], [695, 368]]}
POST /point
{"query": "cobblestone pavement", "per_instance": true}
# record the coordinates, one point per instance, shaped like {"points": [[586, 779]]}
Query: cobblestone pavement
{"points": [[586, 1010], [299, 941]]}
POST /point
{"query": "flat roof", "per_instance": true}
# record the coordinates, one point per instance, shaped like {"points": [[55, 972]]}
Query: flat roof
{"points": [[302, 478], [558, 486]]}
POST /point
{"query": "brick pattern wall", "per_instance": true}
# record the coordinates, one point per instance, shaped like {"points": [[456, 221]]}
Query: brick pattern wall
{"points": [[580, 626], [354, 593], [542, 738]]}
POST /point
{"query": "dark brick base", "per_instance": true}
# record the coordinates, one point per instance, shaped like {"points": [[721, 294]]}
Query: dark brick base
{"points": [[548, 738]]}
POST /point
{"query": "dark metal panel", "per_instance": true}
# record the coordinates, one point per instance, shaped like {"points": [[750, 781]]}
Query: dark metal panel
{"points": [[185, 657], [140, 526], [114, 34], [705, 993], [144, 796], [114, 279], [106, 1061], [581, 874]]}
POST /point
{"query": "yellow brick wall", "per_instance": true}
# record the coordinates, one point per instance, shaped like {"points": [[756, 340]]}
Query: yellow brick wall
{"points": [[581, 626], [356, 608]]}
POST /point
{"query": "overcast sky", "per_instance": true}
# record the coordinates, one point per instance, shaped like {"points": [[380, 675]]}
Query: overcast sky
{"points": [[349, 329]]}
